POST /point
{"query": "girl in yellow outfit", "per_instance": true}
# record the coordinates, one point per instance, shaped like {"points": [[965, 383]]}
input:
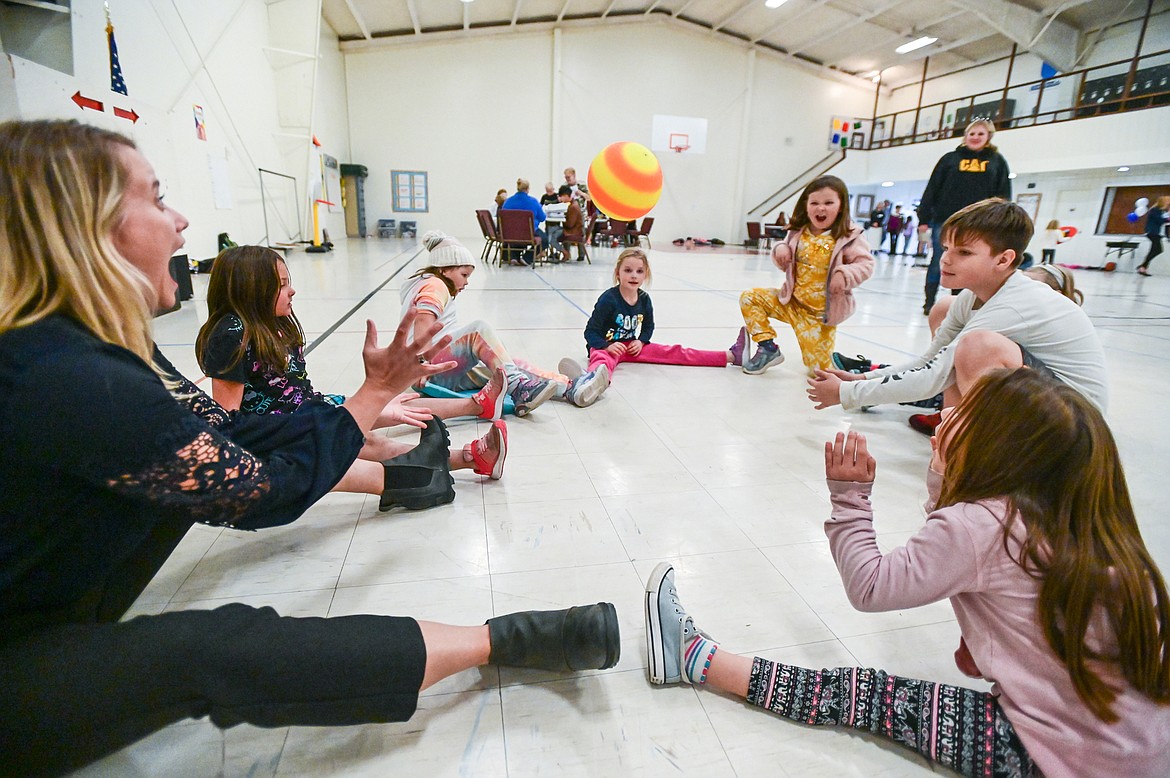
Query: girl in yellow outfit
{"points": [[831, 259]]}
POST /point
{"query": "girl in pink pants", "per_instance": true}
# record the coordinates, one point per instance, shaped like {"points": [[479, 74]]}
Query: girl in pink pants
{"points": [[621, 325]]}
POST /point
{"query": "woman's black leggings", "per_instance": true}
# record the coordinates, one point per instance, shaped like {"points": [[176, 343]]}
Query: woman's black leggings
{"points": [[75, 693], [1155, 249]]}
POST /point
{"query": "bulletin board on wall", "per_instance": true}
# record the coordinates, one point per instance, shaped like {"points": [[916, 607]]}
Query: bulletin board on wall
{"points": [[409, 190], [1120, 201]]}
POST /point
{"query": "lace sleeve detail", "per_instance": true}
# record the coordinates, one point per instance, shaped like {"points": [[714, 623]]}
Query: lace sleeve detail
{"points": [[209, 479]]}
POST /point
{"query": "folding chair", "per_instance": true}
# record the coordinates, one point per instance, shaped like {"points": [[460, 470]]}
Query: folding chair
{"points": [[516, 230], [487, 226], [647, 223], [581, 239]]}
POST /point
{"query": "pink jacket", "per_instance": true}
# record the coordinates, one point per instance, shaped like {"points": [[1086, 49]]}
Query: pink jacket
{"points": [[959, 554], [851, 258]]}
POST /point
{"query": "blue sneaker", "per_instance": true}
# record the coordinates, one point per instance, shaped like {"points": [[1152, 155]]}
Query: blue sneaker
{"points": [[587, 388], [764, 358], [669, 629], [529, 393]]}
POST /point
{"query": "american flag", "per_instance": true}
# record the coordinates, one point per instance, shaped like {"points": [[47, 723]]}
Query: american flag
{"points": [[117, 83]]}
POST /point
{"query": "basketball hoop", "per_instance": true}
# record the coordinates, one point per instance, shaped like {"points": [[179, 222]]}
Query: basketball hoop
{"points": [[679, 149], [679, 142]]}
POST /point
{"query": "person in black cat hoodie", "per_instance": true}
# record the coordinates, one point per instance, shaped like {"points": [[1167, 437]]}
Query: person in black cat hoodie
{"points": [[972, 172]]}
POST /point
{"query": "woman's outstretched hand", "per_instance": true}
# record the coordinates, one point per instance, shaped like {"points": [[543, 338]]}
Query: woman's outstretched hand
{"points": [[848, 459], [404, 362]]}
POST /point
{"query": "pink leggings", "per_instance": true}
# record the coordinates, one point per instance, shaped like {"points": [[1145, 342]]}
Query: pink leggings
{"points": [[656, 354]]}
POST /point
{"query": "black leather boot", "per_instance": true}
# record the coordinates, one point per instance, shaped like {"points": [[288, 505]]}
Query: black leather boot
{"points": [[420, 478], [584, 637]]}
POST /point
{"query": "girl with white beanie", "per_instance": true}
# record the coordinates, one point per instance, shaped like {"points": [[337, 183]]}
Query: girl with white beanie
{"points": [[432, 291]]}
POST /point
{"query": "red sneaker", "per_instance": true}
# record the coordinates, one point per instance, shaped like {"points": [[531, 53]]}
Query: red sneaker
{"points": [[491, 397], [488, 453], [926, 423]]}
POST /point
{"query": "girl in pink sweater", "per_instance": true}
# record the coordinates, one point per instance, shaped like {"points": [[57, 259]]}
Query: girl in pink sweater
{"points": [[1032, 536]]}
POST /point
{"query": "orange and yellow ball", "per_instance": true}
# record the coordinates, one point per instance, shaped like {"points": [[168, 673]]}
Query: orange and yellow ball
{"points": [[625, 180]]}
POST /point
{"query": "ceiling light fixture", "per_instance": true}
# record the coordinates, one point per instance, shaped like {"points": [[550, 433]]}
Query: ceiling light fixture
{"points": [[887, 183], [925, 40], [774, 3], [1123, 169], [1011, 175]]}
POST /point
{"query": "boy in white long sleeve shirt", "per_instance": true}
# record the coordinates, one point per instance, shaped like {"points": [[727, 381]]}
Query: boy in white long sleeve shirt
{"points": [[1000, 319]]}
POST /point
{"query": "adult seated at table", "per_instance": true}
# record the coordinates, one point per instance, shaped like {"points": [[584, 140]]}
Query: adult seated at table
{"points": [[522, 201], [565, 218], [580, 192], [550, 195]]}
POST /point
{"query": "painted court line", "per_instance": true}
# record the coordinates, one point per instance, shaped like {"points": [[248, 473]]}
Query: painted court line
{"points": [[345, 316]]}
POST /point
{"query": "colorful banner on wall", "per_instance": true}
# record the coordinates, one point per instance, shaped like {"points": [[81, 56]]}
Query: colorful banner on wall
{"points": [[847, 132]]}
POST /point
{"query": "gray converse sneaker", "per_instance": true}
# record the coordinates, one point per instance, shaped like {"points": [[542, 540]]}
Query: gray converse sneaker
{"points": [[669, 629], [528, 393], [764, 358], [587, 388]]}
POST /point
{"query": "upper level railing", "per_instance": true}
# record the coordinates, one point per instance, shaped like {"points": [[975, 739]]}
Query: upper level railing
{"points": [[1125, 85]]}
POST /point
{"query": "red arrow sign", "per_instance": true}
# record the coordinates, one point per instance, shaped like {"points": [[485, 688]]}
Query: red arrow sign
{"points": [[122, 113], [87, 102]]}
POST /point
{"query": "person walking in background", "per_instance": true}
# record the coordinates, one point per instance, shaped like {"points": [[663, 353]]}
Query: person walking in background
{"points": [[1155, 228], [876, 223], [1053, 237], [894, 226], [972, 172]]}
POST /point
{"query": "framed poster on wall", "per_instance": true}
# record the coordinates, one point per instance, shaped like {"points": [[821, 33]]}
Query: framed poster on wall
{"points": [[1030, 202], [864, 206], [409, 190]]}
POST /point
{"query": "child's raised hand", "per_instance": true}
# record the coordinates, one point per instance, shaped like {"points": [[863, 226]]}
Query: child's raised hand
{"points": [[848, 459], [634, 347], [617, 348], [398, 412]]}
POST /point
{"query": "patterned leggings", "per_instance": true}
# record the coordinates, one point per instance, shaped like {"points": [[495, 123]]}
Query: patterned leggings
{"points": [[476, 343], [958, 728], [814, 336]]}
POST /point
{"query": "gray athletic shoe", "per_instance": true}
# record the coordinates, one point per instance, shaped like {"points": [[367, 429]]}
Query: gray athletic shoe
{"points": [[529, 393], [587, 388], [668, 628], [764, 358], [570, 368]]}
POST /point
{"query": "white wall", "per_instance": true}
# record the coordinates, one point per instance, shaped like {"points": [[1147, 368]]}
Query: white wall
{"points": [[478, 113], [174, 56]]}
